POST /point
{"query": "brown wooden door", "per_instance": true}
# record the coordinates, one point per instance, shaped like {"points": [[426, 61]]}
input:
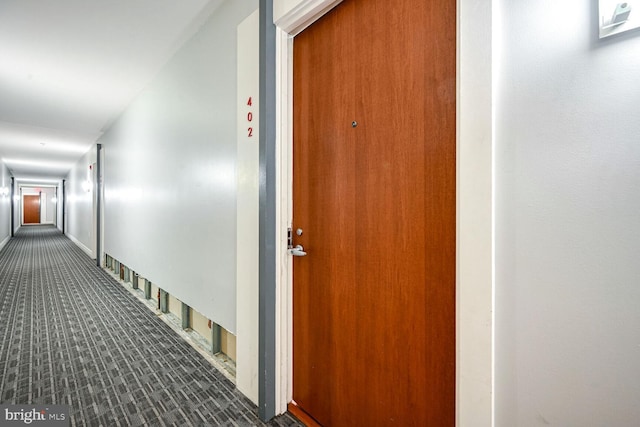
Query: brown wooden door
{"points": [[31, 209], [374, 196]]}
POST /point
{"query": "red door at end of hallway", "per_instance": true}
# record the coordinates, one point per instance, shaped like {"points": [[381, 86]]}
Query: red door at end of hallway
{"points": [[31, 209], [374, 208]]}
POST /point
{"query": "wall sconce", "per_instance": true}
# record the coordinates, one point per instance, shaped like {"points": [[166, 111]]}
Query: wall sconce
{"points": [[16, 198], [86, 186], [4, 191], [54, 199], [616, 17]]}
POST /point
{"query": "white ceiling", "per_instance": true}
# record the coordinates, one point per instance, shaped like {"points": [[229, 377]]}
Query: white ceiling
{"points": [[68, 68]]}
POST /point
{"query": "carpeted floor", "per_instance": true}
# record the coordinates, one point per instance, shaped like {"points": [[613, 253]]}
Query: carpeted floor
{"points": [[70, 334]]}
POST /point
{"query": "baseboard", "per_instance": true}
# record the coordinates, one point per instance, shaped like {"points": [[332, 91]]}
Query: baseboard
{"points": [[4, 242], [81, 246]]}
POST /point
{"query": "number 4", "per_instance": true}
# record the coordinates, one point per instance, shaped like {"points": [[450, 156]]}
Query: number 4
{"points": [[249, 102]]}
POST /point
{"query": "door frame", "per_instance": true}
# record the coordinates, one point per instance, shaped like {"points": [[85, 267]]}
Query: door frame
{"points": [[31, 191], [474, 200]]}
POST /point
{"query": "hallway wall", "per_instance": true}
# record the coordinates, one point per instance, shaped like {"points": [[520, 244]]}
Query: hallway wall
{"points": [[59, 204], [5, 206], [49, 214], [79, 204], [567, 230], [170, 173]]}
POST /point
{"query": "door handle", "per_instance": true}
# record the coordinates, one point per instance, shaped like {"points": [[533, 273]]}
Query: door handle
{"points": [[297, 251]]}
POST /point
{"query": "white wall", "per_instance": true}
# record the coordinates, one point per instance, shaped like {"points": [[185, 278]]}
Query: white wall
{"points": [[282, 7], [79, 204], [247, 207], [568, 234], [48, 207], [17, 214], [170, 173], [59, 204], [5, 206]]}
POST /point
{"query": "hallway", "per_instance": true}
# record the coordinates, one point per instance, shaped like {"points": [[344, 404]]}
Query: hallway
{"points": [[70, 334]]}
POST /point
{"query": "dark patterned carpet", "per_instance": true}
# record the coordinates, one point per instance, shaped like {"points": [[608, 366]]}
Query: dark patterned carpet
{"points": [[71, 335]]}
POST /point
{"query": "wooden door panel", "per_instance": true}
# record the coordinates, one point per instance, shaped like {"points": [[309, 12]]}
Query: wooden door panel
{"points": [[324, 190], [407, 170], [31, 206], [374, 301]]}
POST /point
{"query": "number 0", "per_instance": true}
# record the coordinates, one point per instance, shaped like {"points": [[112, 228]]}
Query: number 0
{"points": [[249, 116]]}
